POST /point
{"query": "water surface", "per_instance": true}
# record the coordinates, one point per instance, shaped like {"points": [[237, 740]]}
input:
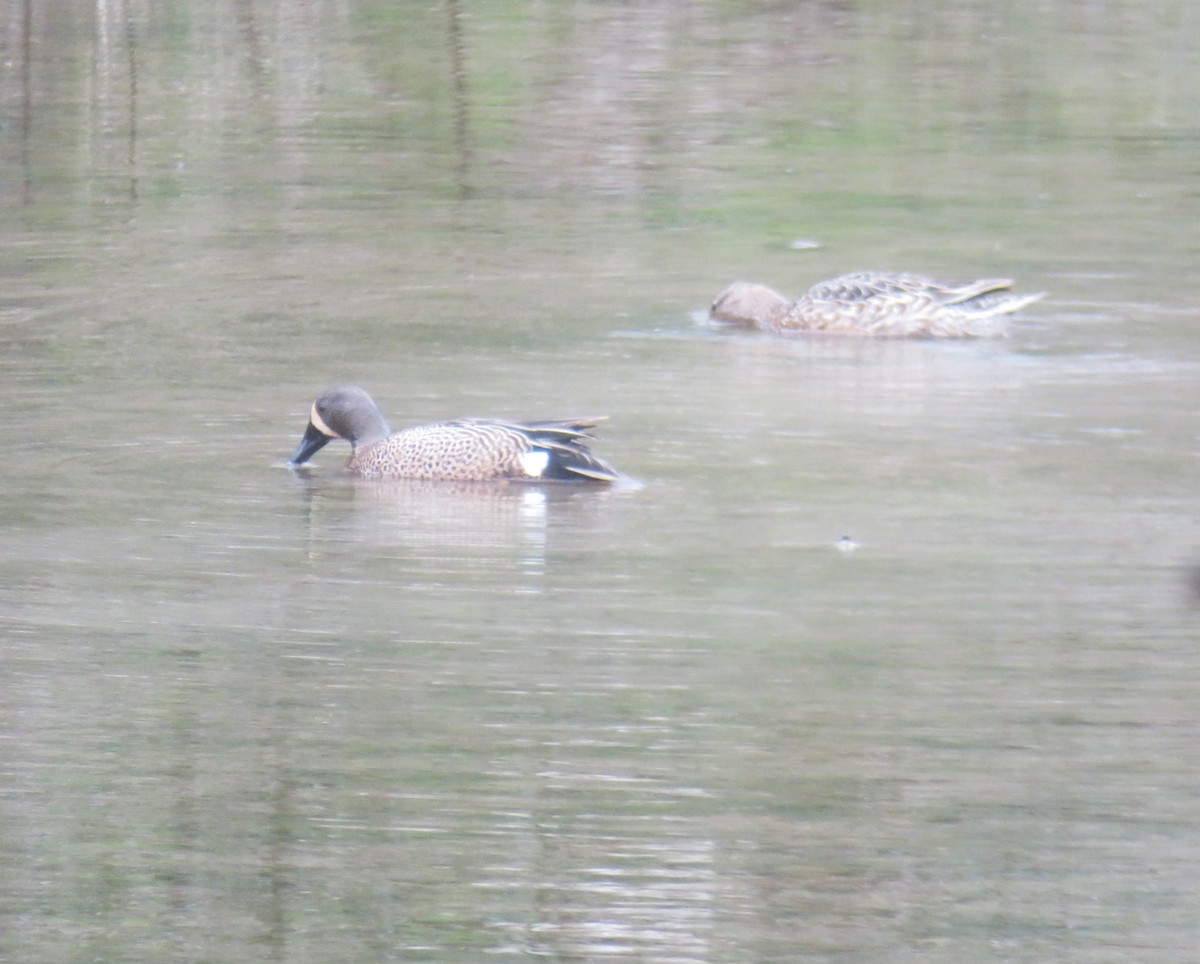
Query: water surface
{"points": [[888, 657]]}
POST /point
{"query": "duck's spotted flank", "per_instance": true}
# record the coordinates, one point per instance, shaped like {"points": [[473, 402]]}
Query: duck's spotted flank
{"points": [[463, 450], [877, 304]]}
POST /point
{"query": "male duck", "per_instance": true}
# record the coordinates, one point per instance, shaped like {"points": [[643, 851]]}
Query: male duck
{"points": [[878, 304], [464, 450]]}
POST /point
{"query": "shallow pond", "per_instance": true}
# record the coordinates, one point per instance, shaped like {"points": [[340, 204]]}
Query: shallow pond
{"points": [[889, 655]]}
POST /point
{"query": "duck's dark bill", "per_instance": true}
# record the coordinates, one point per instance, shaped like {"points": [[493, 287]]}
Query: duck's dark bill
{"points": [[314, 440]]}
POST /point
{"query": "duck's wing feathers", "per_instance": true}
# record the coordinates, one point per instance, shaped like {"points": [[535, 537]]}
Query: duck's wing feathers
{"points": [[567, 428], [565, 441], [545, 449], [904, 305], [867, 285]]}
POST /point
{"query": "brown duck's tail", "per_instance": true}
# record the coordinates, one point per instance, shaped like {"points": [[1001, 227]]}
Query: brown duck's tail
{"points": [[989, 296], [999, 301]]}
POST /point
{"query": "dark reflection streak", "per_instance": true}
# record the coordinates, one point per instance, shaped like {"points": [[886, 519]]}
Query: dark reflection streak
{"points": [[131, 49], [279, 841], [252, 36], [180, 877], [26, 99], [1193, 584], [459, 75]]}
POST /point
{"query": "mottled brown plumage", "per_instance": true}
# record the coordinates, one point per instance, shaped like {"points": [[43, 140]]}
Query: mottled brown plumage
{"points": [[876, 304], [463, 450]]}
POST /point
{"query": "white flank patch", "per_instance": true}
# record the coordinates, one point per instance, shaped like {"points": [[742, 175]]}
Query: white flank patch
{"points": [[534, 462]]}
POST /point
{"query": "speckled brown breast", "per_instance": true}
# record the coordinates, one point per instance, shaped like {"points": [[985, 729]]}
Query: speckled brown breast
{"points": [[450, 451]]}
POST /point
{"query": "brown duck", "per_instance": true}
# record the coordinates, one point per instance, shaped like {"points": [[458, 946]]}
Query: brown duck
{"points": [[877, 304]]}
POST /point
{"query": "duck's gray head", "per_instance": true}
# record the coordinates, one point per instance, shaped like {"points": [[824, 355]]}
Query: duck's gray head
{"points": [[344, 412]]}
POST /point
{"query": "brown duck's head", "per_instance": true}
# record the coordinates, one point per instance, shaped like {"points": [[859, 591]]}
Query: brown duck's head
{"points": [[748, 305]]}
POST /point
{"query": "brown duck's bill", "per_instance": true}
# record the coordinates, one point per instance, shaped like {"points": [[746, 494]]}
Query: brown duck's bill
{"points": [[314, 440]]}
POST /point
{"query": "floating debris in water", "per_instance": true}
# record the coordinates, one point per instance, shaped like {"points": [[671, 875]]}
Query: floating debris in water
{"points": [[846, 544], [804, 244]]}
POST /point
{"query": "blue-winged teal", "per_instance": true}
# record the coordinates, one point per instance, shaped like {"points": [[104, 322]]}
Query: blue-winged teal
{"points": [[878, 304], [464, 450]]}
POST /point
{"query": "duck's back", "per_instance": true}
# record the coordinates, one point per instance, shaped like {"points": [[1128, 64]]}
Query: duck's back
{"points": [[905, 305], [478, 450]]}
